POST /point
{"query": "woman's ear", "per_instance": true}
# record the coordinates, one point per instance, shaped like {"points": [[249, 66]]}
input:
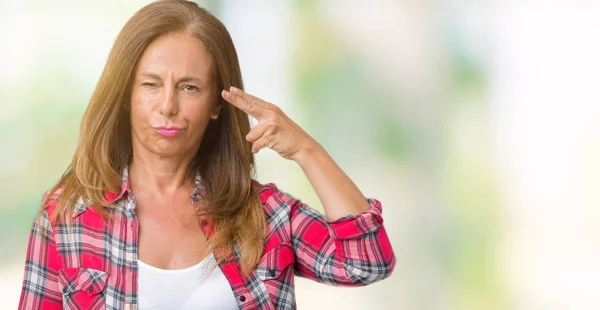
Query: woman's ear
{"points": [[218, 109], [217, 112]]}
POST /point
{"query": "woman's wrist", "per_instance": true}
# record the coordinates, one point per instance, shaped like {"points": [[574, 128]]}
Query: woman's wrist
{"points": [[308, 153]]}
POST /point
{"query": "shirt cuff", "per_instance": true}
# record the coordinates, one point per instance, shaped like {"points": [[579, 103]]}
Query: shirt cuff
{"points": [[354, 226]]}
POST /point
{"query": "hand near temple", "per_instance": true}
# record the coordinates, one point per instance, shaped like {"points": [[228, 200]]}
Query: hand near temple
{"points": [[274, 130]]}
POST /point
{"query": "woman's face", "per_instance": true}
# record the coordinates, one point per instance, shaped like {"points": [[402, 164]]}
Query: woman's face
{"points": [[173, 97]]}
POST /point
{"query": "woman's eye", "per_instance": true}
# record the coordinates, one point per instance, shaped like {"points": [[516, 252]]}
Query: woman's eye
{"points": [[190, 88]]}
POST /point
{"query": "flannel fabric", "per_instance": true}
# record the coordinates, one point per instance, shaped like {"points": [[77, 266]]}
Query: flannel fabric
{"points": [[92, 264]]}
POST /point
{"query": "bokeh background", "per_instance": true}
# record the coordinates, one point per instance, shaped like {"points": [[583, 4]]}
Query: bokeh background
{"points": [[476, 123]]}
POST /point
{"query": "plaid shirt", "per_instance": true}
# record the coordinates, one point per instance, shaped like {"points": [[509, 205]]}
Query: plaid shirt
{"points": [[93, 265]]}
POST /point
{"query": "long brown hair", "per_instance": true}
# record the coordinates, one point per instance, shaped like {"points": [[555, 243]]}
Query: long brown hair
{"points": [[224, 160]]}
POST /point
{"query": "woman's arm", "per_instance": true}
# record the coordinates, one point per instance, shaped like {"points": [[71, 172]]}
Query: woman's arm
{"points": [[350, 246], [40, 283]]}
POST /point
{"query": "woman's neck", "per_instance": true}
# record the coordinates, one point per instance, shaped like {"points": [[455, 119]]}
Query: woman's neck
{"points": [[160, 175]]}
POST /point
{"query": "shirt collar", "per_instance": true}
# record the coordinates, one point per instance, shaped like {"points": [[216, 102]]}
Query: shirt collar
{"points": [[111, 197]]}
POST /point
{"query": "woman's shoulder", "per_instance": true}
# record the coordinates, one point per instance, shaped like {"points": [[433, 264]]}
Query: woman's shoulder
{"points": [[271, 195], [50, 200], [50, 206], [265, 190]]}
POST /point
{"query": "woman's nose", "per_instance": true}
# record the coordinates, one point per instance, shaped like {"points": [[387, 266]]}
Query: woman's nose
{"points": [[169, 105]]}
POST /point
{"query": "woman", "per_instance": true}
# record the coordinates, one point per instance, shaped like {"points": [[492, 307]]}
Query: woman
{"points": [[160, 187]]}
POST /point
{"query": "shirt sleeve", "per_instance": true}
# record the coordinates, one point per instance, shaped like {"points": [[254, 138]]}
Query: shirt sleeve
{"points": [[353, 250], [40, 283]]}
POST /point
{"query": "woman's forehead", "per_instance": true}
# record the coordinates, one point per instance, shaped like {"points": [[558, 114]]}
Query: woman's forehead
{"points": [[177, 54]]}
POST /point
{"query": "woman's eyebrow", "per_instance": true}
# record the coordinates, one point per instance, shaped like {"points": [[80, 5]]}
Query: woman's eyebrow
{"points": [[189, 78], [150, 75], [181, 80]]}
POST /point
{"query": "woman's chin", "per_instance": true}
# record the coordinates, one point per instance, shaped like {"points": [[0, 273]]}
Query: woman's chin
{"points": [[168, 149]]}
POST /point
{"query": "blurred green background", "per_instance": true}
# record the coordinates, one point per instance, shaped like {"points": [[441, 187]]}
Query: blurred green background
{"points": [[462, 117]]}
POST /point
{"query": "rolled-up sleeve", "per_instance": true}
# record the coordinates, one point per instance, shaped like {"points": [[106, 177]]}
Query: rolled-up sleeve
{"points": [[353, 250]]}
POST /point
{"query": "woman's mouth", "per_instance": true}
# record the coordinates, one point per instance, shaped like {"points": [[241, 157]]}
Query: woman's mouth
{"points": [[168, 131]]}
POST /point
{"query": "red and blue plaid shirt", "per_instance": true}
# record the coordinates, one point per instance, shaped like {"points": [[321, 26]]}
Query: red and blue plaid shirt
{"points": [[93, 264]]}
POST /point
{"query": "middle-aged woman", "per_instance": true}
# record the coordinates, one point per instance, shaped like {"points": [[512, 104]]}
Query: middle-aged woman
{"points": [[159, 209]]}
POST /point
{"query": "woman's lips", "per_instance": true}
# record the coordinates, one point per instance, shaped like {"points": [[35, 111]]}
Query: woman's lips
{"points": [[168, 131]]}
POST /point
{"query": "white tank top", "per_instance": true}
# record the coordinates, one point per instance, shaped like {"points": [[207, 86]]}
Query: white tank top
{"points": [[195, 287]]}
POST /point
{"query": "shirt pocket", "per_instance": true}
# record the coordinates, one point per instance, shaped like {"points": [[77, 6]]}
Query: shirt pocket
{"points": [[82, 288], [275, 271]]}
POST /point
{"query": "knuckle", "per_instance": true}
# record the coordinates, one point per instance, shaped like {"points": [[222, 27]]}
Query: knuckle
{"points": [[273, 128], [275, 108]]}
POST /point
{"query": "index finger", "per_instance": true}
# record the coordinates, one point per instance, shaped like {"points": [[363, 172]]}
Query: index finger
{"points": [[253, 106]]}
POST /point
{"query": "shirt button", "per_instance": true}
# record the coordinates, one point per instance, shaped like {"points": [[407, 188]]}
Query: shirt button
{"points": [[64, 289], [204, 222], [271, 272], [242, 298], [90, 289]]}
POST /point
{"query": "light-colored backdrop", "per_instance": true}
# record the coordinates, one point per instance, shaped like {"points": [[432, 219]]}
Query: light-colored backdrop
{"points": [[475, 123]]}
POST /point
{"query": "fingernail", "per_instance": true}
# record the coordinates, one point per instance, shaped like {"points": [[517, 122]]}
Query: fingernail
{"points": [[226, 93], [233, 89]]}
